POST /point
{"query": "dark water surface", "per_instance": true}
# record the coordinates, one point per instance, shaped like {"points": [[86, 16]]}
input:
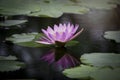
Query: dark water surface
{"points": [[91, 40]]}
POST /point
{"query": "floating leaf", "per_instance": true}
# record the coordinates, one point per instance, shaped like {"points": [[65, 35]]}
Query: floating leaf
{"points": [[12, 22], [106, 74], [98, 4], [8, 58], [93, 73], [31, 44], [19, 7], [101, 59], [48, 8], [113, 35], [53, 8], [115, 1], [26, 39], [10, 12], [71, 43], [9, 63], [82, 72]]}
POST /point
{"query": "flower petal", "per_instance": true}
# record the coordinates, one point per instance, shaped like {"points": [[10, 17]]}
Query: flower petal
{"points": [[50, 30], [76, 34], [68, 35], [55, 28], [47, 35], [45, 32], [52, 37], [75, 29], [43, 42], [70, 28], [60, 37], [57, 36], [63, 37], [45, 39]]}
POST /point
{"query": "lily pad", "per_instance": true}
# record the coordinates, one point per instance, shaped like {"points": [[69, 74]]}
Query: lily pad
{"points": [[101, 59], [82, 72], [48, 8], [26, 39], [93, 73], [98, 4], [53, 8], [115, 1], [9, 63], [8, 58], [113, 35], [71, 43], [12, 22], [106, 74]]}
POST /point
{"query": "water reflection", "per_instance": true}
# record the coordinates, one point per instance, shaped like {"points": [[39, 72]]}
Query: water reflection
{"points": [[60, 58]]}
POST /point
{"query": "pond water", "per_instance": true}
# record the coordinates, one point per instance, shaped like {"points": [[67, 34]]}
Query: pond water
{"points": [[47, 63]]}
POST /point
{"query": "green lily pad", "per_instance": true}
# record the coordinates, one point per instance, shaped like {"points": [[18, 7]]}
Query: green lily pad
{"points": [[113, 35], [115, 1], [101, 59], [48, 8], [98, 4], [26, 39], [82, 72], [9, 63], [53, 8], [8, 58], [71, 43], [12, 22], [106, 74], [93, 73]]}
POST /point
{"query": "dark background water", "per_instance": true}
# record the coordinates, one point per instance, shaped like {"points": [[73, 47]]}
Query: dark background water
{"points": [[91, 40]]}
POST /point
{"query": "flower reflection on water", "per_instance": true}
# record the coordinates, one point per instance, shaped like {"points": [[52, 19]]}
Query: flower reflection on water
{"points": [[60, 59]]}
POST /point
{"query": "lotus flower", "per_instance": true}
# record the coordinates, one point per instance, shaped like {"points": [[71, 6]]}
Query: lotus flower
{"points": [[60, 59], [61, 33]]}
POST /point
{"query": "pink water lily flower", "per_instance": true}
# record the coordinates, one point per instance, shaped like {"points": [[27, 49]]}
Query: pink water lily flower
{"points": [[61, 33]]}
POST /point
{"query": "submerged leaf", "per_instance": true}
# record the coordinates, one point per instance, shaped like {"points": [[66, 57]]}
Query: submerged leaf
{"points": [[8, 58], [113, 35], [9, 63]]}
